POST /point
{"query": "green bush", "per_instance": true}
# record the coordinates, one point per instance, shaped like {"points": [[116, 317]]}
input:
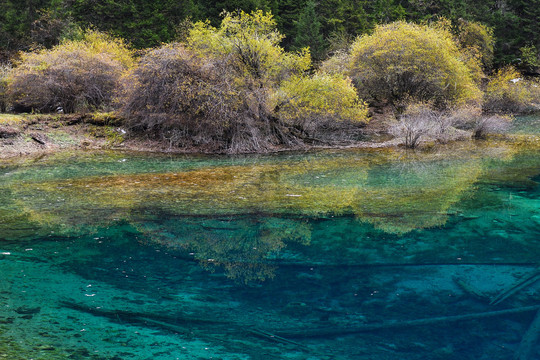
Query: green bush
{"points": [[407, 62], [77, 75]]}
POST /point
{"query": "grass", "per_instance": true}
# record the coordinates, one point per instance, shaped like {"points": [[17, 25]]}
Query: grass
{"points": [[10, 119]]}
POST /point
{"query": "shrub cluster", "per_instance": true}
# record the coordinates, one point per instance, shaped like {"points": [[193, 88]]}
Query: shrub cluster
{"points": [[77, 75], [508, 91], [234, 89], [421, 121]]}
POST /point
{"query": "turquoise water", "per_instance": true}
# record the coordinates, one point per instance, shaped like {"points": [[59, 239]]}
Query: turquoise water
{"points": [[319, 255]]}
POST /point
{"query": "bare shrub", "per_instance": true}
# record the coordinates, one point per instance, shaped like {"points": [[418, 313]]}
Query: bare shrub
{"points": [[422, 121], [418, 120], [486, 125], [455, 124], [478, 124], [74, 76], [177, 96]]}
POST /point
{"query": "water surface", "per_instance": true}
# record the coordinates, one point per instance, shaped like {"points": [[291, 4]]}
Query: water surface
{"points": [[115, 255]]}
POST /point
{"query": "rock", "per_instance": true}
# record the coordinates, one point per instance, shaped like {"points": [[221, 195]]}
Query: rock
{"points": [[46, 347], [8, 132], [501, 234], [296, 309], [26, 310]]}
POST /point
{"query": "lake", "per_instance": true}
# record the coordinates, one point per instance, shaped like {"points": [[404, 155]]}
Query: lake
{"points": [[329, 254]]}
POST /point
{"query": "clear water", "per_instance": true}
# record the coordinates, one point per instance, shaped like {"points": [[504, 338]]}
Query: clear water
{"points": [[112, 255]]}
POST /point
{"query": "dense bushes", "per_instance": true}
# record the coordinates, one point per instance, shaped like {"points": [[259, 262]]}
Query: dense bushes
{"points": [[403, 61], [508, 91], [235, 89], [321, 106], [74, 76]]}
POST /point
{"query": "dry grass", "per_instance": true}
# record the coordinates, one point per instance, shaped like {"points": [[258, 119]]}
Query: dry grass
{"points": [[10, 119]]}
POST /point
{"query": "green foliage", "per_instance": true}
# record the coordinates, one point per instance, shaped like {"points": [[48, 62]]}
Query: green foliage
{"points": [[404, 61], [149, 23], [308, 32], [77, 75], [143, 23], [530, 57]]}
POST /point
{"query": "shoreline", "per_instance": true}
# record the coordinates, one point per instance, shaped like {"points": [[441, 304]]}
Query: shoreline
{"points": [[23, 136], [39, 135]]}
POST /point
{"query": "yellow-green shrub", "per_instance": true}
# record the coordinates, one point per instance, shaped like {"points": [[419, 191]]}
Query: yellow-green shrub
{"points": [[401, 61], [508, 91], [249, 44], [321, 98], [77, 75], [477, 38]]}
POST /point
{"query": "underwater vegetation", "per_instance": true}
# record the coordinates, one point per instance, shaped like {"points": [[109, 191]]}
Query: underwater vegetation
{"points": [[330, 254], [242, 210]]}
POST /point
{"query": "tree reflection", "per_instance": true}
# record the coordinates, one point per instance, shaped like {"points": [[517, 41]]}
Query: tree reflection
{"points": [[241, 247]]}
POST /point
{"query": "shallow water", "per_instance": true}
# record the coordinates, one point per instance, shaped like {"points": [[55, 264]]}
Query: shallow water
{"points": [[114, 255]]}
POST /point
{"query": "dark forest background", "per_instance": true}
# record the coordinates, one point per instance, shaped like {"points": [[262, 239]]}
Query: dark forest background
{"points": [[325, 25]]}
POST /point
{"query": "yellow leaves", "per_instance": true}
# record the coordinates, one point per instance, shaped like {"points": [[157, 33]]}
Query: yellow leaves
{"points": [[251, 43], [507, 90], [93, 45], [403, 59], [76, 75], [10, 119], [322, 94], [256, 25], [97, 44], [206, 40], [503, 82], [246, 89]]}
